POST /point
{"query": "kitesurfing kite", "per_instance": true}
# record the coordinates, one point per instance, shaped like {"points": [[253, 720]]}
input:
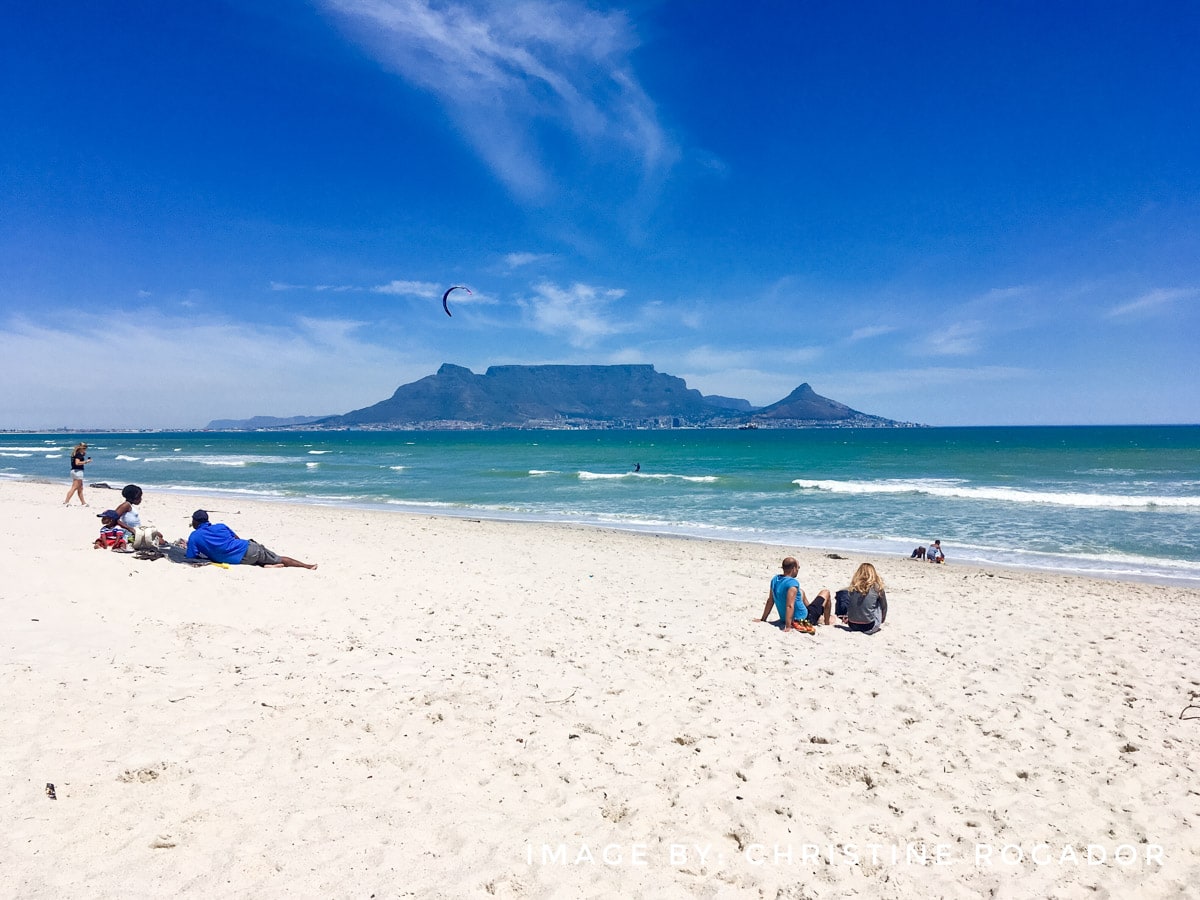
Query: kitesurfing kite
{"points": [[446, 296]]}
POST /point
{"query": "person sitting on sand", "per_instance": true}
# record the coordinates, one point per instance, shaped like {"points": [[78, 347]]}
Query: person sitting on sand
{"points": [[789, 599], [217, 542], [934, 554], [865, 601], [141, 536], [112, 535]]}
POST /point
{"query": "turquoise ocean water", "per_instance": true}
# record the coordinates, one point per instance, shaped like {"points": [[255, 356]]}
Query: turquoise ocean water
{"points": [[1110, 501]]}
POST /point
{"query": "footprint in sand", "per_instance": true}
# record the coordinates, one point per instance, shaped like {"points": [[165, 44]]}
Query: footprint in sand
{"points": [[152, 772], [131, 775]]}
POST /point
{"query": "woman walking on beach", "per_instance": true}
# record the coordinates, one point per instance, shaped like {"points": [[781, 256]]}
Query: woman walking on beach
{"points": [[79, 459]]}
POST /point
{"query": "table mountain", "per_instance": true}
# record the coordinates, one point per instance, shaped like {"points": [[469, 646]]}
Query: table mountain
{"points": [[584, 396], [518, 395]]}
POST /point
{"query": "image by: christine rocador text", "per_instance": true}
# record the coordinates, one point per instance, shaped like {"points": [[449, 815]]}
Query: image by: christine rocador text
{"points": [[679, 855]]}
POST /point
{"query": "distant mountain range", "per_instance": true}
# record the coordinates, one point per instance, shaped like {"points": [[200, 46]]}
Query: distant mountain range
{"points": [[261, 422], [634, 396]]}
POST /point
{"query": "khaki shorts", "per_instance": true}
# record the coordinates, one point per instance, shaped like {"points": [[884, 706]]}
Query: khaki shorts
{"points": [[258, 555]]}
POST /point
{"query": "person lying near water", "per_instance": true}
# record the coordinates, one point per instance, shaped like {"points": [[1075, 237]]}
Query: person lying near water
{"points": [[864, 601], [790, 601], [216, 542]]}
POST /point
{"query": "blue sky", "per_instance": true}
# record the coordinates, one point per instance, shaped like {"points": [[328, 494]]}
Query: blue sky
{"points": [[944, 212]]}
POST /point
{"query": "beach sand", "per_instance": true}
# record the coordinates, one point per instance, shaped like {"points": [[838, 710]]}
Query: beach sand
{"points": [[460, 708]]}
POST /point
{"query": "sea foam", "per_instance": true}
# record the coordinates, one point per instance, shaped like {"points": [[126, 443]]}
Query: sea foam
{"points": [[1000, 494]]}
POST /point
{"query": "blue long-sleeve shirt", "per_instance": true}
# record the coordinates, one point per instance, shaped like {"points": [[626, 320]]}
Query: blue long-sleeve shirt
{"points": [[216, 542]]}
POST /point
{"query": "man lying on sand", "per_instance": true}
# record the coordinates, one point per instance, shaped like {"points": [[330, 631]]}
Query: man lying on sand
{"points": [[218, 543]]}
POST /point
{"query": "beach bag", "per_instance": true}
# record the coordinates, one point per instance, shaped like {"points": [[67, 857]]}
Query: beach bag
{"points": [[142, 539]]}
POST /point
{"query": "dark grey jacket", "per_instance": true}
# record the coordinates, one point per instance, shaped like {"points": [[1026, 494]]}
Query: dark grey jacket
{"points": [[865, 608]]}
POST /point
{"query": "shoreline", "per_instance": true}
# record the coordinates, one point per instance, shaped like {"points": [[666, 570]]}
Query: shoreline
{"points": [[879, 551], [463, 707], [1076, 506]]}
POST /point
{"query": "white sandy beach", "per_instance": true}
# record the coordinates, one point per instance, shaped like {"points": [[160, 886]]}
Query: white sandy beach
{"points": [[458, 708]]}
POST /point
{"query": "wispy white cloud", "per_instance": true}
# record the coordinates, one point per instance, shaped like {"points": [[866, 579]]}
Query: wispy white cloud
{"points": [[506, 70], [707, 358], [1002, 295], [195, 369], [870, 331], [918, 380], [1152, 302], [711, 163], [973, 394], [315, 288], [630, 356], [517, 260], [397, 288], [580, 313], [409, 289], [952, 339]]}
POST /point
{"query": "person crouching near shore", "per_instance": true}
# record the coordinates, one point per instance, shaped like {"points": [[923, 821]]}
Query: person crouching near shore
{"points": [[790, 601], [865, 601]]}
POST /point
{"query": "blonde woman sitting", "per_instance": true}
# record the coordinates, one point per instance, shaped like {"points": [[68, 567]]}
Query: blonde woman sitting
{"points": [[864, 601]]}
